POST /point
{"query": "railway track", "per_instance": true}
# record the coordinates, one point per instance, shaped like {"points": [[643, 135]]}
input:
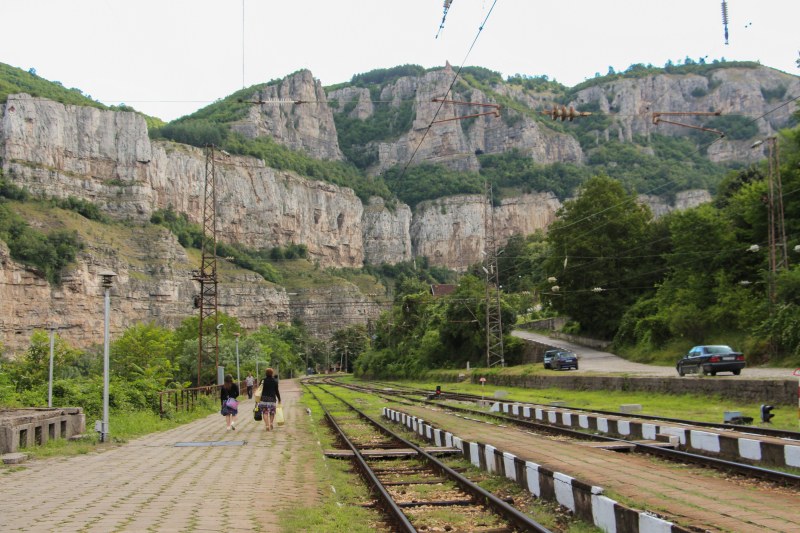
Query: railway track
{"points": [[416, 490], [743, 469], [753, 430]]}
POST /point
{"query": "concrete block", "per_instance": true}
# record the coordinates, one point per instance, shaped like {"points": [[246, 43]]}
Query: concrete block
{"points": [[630, 408], [14, 458]]}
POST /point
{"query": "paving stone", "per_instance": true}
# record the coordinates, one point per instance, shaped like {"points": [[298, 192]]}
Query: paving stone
{"points": [[148, 481]]}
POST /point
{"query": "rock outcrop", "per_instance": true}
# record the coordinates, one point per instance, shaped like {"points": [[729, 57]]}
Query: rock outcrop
{"points": [[451, 231], [295, 113], [453, 143], [741, 92], [107, 158], [152, 284], [387, 236]]}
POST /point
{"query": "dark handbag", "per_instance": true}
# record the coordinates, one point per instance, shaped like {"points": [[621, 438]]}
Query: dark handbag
{"points": [[257, 414]]}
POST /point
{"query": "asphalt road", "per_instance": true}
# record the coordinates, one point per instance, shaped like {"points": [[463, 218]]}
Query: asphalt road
{"points": [[591, 360]]}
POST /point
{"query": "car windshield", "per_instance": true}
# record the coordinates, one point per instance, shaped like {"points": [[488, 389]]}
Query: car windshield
{"points": [[718, 349]]}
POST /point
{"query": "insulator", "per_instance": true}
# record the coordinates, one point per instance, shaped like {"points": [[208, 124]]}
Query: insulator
{"points": [[725, 12]]}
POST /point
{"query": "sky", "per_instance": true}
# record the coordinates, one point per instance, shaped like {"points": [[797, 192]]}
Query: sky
{"points": [[169, 58]]}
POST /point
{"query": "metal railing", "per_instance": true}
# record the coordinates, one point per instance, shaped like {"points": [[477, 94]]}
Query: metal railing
{"points": [[184, 399]]}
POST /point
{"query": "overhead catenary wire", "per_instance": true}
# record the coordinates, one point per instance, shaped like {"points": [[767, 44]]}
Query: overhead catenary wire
{"points": [[671, 182], [447, 93]]}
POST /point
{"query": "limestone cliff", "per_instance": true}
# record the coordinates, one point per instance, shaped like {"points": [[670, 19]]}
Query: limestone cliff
{"points": [[295, 113], [386, 233], [744, 92], [450, 231], [106, 157], [152, 284], [452, 143]]}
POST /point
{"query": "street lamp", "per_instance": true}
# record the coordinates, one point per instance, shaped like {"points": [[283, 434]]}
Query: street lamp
{"points": [[220, 369], [238, 378], [108, 279], [50, 379]]}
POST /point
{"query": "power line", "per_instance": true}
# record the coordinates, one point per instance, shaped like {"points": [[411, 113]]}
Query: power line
{"points": [[449, 90]]}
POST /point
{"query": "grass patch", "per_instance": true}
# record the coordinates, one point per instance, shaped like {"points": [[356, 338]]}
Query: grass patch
{"points": [[123, 427], [339, 510]]}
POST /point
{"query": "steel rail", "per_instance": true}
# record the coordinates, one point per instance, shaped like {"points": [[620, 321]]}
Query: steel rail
{"points": [[391, 507], [775, 476], [480, 494]]}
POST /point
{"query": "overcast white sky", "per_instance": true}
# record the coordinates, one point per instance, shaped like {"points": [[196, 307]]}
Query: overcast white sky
{"points": [[169, 58]]}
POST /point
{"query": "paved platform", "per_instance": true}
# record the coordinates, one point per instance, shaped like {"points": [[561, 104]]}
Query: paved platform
{"points": [[149, 484]]}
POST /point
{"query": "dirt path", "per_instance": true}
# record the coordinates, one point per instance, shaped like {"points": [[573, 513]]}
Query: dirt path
{"points": [[150, 484]]}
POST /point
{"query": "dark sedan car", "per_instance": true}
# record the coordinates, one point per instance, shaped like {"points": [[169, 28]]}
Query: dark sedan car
{"points": [[710, 360], [564, 360], [548, 357]]}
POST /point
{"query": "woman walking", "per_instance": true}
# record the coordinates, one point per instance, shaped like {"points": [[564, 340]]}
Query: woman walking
{"points": [[270, 396], [230, 406]]}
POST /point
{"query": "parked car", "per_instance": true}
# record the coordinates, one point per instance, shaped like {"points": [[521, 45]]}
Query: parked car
{"points": [[564, 360], [548, 357], [710, 360]]}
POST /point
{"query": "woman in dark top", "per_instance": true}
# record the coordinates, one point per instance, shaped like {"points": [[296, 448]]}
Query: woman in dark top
{"points": [[227, 396], [270, 396]]}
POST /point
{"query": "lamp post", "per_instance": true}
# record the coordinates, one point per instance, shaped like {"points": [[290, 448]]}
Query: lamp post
{"points": [[50, 379], [108, 279], [238, 379], [220, 370]]}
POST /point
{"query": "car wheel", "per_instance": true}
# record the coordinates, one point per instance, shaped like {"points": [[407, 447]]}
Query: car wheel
{"points": [[713, 372], [705, 371], [576, 367], [737, 372], [681, 372]]}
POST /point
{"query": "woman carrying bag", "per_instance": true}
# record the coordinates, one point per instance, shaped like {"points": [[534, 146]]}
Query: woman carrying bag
{"points": [[270, 396], [230, 406]]}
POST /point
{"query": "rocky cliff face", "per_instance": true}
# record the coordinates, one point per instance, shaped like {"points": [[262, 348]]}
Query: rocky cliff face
{"points": [[746, 92], [451, 231], [107, 158], [387, 236], [152, 284], [453, 143], [294, 113]]}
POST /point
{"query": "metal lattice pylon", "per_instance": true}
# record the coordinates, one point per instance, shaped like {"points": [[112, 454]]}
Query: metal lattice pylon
{"points": [[494, 319], [206, 300], [778, 254]]}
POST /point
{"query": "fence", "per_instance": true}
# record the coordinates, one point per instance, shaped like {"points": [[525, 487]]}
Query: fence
{"points": [[184, 399]]}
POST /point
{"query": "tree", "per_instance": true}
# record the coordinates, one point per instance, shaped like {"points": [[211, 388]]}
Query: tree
{"points": [[596, 244], [144, 349]]}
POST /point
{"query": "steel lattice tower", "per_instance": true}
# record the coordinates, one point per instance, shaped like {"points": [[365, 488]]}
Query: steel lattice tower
{"points": [[494, 320], [206, 301], [778, 254]]}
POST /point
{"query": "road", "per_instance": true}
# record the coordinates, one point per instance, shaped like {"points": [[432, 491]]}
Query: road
{"points": [[596, 361]]}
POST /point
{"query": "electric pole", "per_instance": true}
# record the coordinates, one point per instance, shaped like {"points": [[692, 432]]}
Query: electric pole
{"points": [[206, 300], [494, 320]]}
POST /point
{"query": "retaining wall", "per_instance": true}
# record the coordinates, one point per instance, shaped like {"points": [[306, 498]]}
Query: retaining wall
{"points": [[583, 500]]}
